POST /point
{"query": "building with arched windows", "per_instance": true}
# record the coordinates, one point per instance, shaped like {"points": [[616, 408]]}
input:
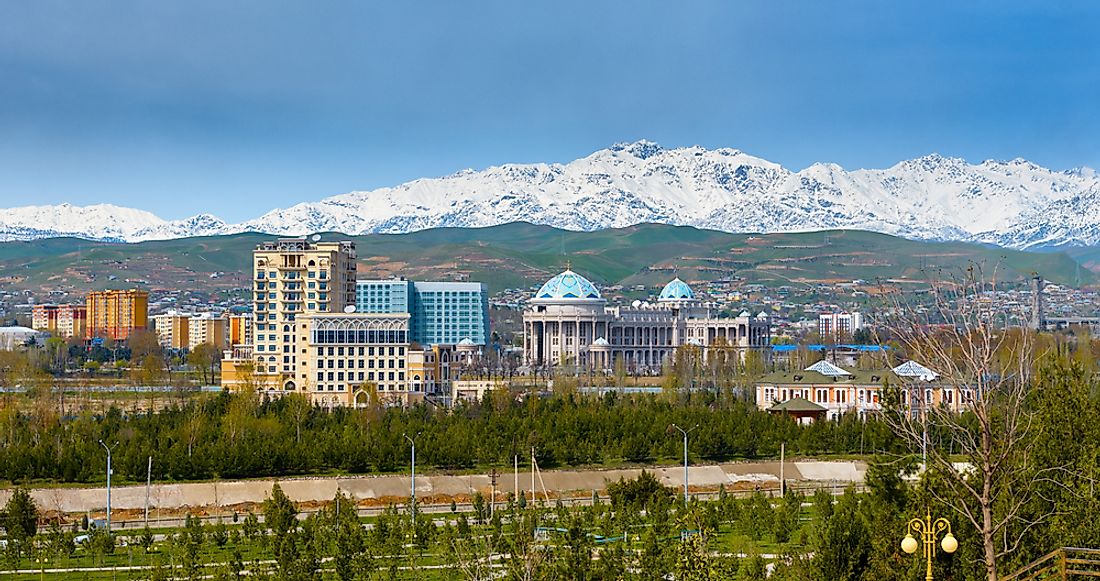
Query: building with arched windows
{"points": [[568, 321], [352, 358]]}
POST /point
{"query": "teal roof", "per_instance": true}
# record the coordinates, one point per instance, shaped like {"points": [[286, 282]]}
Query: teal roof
{"points": [[568, 285], [677, 290]]}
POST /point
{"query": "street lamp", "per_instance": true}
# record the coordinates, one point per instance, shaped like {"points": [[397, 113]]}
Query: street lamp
{"points": [[42, 567], [105, 447], [685, 433], [928, 530], [412, 488]]}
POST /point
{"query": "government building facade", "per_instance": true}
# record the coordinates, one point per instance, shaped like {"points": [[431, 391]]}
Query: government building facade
{"points": [[568, 322]]}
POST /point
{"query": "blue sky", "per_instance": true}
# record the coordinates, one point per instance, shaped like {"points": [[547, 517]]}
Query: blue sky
{"points": [[237, 107]]}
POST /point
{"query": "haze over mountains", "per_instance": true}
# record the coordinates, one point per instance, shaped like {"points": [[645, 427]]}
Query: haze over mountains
{"points": [[1015, 203]]}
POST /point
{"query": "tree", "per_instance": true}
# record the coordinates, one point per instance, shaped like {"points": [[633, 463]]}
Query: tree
{"points": [[642, 493], [970, 343], [280, 513], [143, 342], [281, 518], [841, 551], [297, 405], [21, 515], [204, 358]]}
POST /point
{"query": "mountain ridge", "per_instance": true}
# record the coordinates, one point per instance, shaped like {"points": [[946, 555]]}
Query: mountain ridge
{"points": [[1014, 203]]}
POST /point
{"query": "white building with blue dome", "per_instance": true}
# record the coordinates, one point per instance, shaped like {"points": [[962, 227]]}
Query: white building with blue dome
{"points": [[568, 321]]}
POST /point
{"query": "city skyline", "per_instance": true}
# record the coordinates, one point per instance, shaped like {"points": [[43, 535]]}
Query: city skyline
{"points": [[200, 108]]}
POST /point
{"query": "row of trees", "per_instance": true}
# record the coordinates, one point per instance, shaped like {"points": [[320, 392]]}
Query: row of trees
{"points": [[237, 435], [147, 361]]}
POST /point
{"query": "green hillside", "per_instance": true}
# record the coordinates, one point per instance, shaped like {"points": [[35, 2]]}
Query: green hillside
{"points": [[521, 254]]}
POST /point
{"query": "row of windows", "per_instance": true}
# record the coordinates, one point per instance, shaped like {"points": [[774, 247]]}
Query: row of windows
{"points": [[362, 376], [288, 317], [290, 274], [363, 363], [359, 336], [340, 387], [339, 351]]}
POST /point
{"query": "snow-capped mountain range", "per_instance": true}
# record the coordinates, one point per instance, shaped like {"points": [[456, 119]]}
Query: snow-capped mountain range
{"points": [[1013, 203]]}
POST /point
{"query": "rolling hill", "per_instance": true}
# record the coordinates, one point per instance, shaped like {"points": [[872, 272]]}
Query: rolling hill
{"points": [[518, 255]]}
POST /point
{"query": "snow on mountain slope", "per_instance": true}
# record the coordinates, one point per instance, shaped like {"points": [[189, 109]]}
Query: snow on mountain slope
{"points": [[1067, 222], [932, 197], [200, 225], [100, 222]]}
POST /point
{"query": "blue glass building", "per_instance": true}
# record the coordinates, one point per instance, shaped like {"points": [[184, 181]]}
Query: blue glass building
{"points": [[440, 313]]}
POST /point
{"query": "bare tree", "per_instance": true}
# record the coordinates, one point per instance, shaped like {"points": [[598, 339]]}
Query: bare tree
{"points": [[983, 363]]}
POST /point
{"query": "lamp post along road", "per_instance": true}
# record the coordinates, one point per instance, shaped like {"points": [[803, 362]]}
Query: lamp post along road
{"points": [[105, 447], [685, 433], [928, 530], [412, 487]]}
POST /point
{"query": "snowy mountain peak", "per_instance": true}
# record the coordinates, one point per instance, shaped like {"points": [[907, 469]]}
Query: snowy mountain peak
{"points": [[1013, 203], [641, 149]]}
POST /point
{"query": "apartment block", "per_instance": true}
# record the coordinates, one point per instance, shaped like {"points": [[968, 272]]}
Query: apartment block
{"points": [[173, 329], [44, 318], [838, 326], [208, 329], [72, 321], [114, 314], [240, 329], [61, 320]]}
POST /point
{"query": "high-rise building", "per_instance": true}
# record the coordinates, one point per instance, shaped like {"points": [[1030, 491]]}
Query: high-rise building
{"points": [[209, 329], [61, 320], [173, 329], [838, 326], [240, 329], [293, 277], [44, 318], [72, 321], [114, 314], [440, 313]]}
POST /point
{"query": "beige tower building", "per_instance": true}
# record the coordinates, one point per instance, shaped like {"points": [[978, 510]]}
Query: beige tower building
{"points": [[291, 277]]}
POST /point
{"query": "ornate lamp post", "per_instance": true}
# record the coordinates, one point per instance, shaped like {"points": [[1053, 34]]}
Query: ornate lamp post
{"points": [[928, 530]]}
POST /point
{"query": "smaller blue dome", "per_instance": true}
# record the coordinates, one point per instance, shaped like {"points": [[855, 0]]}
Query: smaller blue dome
{"points": [[677, 290], [568, 285]]}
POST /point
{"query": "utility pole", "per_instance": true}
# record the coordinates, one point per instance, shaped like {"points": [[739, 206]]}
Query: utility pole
{"points": [[685, 433], [105, 447], [782, 464]]}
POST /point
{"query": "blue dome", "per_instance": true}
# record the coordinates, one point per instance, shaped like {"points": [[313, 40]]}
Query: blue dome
{"points": [[568, 285], [677, 290]]}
